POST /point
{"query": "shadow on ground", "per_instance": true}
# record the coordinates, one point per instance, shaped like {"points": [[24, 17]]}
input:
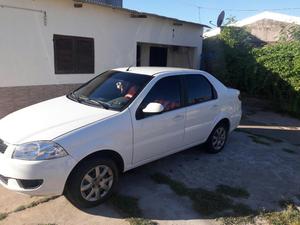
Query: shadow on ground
{"points": [[258, 171]]}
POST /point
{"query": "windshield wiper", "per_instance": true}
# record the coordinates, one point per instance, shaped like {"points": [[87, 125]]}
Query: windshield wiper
{"points": [[73, 96], [98, 102], [93, 101]]}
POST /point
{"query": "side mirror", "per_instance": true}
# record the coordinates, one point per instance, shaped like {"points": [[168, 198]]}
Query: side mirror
{"points": [[153, 108]]}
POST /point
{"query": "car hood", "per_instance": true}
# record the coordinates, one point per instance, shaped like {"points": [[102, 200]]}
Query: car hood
{"points": [[48, 120]]}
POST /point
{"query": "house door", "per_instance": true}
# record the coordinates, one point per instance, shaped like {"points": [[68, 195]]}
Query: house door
{"points": [[158, 56]]}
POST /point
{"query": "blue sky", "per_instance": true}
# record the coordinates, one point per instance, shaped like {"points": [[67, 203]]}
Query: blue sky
{"points": [[187, 9]]}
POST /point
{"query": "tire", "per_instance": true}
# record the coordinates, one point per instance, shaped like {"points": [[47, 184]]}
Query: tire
{"points": [[217, 139], [92, 182]]}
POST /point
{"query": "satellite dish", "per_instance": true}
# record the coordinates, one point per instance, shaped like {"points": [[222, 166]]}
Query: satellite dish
{"points": [[221, 19]]}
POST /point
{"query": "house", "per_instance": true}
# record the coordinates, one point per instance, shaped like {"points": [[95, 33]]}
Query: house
{"points": [[265, 26], [49, 47]]}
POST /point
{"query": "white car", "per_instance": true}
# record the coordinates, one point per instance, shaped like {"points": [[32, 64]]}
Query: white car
{"points": [[77, 145]]}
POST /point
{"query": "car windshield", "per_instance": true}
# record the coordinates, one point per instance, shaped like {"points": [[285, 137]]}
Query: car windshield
{"points": [[111, 90]]}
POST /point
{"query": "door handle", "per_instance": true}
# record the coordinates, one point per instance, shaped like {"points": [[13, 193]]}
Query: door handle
{"points": [[214, 106], [178, 117]]}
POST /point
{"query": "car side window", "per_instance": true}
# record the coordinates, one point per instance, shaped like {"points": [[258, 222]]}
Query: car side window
{"points": [[198, 89], [167, 92]]}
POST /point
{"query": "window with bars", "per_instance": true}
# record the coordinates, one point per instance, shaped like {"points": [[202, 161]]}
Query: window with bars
{"points": [[74, 55]]}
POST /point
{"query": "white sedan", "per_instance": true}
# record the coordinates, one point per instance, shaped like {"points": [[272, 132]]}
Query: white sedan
{"points": [[77, 145]]}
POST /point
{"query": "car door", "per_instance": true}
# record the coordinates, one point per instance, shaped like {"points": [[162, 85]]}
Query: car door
{"points": [[202, 108], [156, 135]]}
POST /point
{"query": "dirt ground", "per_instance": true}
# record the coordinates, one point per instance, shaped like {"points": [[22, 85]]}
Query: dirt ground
{"points": [[262, 158]]}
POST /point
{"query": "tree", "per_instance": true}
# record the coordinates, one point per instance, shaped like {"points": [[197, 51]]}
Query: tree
{"points": [[290, 32], [230, 20]]}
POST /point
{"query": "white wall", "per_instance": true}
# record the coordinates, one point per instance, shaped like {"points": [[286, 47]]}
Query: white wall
{"points": [[26, 44]]}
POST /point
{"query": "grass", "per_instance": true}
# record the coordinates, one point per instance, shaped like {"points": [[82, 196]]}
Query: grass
{"points": [[35, 203], [47, 224], [24, 207], [236, 192], [260, 136], [129, 207], [259, 140], [289, 151], [3, 216], [20, 208], [284, 203], [242, 220], [206, 202], [140, 221], [290, 216]]}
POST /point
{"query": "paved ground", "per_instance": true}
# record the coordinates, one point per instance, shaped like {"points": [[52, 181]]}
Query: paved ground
{"points": [[263, 158]]}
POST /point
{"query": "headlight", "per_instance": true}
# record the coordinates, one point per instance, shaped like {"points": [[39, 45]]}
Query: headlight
{"points": [[39, 150]]}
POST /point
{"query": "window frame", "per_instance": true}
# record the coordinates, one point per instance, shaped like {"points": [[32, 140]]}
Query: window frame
{"points": [[214, 91], [75, 57], [139, 115]]}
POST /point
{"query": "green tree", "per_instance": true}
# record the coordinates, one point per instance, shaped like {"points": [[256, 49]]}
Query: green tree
{"points": [[290, 32], [230, 20]]}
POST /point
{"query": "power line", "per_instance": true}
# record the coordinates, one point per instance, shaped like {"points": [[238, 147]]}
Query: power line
{"points": [[231, 9], [251, 10]]}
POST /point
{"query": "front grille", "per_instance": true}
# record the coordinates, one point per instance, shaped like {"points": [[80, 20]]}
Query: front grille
{"points": [[3, 146]]}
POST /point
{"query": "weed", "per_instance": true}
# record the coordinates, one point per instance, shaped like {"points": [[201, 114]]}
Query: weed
{"points": [[140, 221], [246, 220], [20, 208], [290, 216], [236, 192], [47, 224], [284, 203], [3, 216], [204, 201], [258, 140], [129, 207], [275, 140], [289, 151], [241, 209]]}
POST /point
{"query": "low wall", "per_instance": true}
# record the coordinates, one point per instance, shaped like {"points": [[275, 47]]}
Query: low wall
{"points": [[14, 98]]}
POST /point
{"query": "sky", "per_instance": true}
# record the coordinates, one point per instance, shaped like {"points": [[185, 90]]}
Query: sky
{"points": [[210, 9]]}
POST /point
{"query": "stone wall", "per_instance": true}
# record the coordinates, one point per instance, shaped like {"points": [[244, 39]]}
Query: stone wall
{"points": [[267, 30]]}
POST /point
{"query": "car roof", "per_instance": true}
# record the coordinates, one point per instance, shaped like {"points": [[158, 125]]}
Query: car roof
{"points": [[155, 71]]}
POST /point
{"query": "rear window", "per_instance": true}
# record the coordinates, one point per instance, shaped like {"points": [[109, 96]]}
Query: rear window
{"points": [[199, 89]]}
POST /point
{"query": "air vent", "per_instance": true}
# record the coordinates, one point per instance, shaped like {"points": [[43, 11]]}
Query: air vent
{"points": [[3, 146], [3, 179]]}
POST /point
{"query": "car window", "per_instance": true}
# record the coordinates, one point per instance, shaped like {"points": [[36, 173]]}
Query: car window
{"points": [[198, 89], [166, 92]]}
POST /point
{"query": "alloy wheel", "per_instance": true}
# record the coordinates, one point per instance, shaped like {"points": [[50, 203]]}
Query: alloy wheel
{"points": [[97, 183], [219, 138]]}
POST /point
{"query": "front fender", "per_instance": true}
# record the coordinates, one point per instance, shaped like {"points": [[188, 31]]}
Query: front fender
{"points": [[114, 133]]}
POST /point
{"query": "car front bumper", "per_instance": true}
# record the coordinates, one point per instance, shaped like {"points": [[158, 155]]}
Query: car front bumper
{"points": [[35, 177]]}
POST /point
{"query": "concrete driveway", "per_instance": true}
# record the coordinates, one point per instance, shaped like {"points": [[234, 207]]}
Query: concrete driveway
{"points": [[257, 171]]}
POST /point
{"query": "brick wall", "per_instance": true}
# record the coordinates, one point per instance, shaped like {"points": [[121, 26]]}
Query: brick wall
{"points": [[14, 98]]}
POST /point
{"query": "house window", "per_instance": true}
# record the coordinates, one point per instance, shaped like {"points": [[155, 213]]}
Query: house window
{"points": [[73, 55]]}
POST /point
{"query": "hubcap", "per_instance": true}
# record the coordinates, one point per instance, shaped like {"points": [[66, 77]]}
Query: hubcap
{"points": [[97, 183], [219, 138]]}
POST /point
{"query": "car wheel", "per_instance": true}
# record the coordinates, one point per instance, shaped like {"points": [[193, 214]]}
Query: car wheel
{"points": [[92, 183], [217, 139]]}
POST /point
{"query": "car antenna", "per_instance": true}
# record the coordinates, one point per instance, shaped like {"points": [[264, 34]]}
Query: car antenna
{"points": [[129, 67]]}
